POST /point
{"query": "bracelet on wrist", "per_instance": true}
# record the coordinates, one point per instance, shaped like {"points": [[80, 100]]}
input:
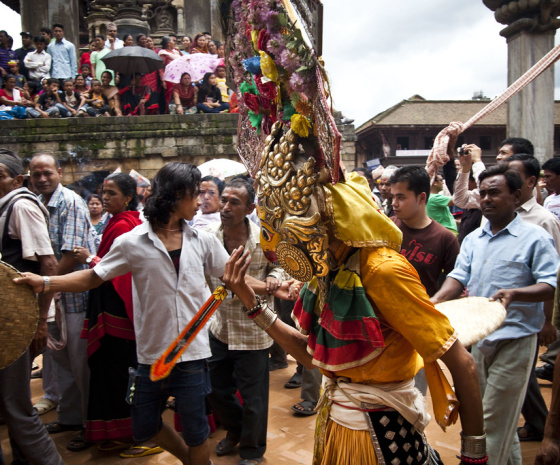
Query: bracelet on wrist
{"points": [[473, 447], [266, 318], [256, 307], [46, 284]]}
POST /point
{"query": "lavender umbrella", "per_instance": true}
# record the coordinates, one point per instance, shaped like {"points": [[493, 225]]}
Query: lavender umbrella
{"points": [[196, 64]]}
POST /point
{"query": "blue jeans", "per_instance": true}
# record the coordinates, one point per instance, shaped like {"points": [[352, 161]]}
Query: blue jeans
{"points": [[52, 111], [64, 112], [189, 383], [205, 109]]}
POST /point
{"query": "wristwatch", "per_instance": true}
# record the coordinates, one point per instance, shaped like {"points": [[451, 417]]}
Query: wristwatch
{"points": [[89, 259]]}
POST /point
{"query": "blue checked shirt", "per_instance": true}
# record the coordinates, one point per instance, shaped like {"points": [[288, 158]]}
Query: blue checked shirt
{"points": [[70, 227], [520, 255]]}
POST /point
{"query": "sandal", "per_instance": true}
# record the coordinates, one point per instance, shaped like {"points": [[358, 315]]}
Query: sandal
{"points": [[305, 407], [79, 443], [54, 427], [529, 433], [225, 446], [45, 405], [294, 382], [250, 461], [140, 451]]}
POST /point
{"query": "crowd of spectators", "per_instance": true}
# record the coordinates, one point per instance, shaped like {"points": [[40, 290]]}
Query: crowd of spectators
{"points": [[46, 78]]}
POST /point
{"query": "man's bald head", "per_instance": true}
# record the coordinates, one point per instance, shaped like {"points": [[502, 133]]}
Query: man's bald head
{"points": [[46, 174]]}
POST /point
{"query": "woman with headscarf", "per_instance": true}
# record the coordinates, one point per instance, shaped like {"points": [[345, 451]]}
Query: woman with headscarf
{"points": [[199, 44]]}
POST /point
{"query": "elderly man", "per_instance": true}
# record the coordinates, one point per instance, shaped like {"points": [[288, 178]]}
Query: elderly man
{"points": [[69, 228], [515, 262], [384, 186], [240, 349], [26, 245], [113, 42]]}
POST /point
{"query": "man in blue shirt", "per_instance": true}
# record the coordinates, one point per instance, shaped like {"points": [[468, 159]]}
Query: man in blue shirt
{"points": [[514, 262], [63, 52]]}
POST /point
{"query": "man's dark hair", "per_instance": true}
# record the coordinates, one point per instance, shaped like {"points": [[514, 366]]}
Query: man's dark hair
{"points": [[513, 178], [417, 178], [519, 145], [552, 165], [172, 35], [40, 39], [531, 165], [219, 183], [46, 30], [52, 81], [240, 181], [71, 81], [60, 25], [100, 36], [172, 183], [4, 32]]}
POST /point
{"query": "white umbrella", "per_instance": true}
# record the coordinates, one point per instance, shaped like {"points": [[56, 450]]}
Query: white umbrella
{"points": [[222, 168]]}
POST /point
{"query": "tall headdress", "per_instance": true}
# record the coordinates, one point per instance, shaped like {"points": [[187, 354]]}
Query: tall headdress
{"points": [[288, 139]]}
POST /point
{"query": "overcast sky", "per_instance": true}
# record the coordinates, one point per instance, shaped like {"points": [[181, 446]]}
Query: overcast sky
{"points": [[378, 53]]}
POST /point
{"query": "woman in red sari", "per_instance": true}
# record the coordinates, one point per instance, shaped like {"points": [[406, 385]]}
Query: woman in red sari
{"points": [[109, 326], [184, 97]]}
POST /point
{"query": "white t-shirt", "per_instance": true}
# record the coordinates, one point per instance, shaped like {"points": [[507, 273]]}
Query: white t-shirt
{"points": [[552, 203]]}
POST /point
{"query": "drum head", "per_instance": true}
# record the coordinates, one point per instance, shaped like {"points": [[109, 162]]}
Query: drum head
{"points": [[473, 318], [19, 316]]}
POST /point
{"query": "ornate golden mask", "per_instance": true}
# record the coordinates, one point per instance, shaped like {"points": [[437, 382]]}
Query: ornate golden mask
{"points": [[291, 199]]}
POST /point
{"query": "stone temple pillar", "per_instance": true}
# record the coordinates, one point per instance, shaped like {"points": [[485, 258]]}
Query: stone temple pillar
{"points": [[36, 14], [531, 26], [201, 16]]}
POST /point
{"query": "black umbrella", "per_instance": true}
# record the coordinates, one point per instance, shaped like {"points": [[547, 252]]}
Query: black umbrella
{"points": [[133, 59]]}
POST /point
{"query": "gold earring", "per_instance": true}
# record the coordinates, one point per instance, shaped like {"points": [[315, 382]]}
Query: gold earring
{"points": [[294, 261]]}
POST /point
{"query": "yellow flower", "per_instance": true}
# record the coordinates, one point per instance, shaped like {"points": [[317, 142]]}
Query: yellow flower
{"points": [[300, 125], [255, 38], [268, 67]]}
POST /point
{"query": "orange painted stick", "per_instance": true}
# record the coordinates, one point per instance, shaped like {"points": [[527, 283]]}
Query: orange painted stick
{"points": [[166, 362]]}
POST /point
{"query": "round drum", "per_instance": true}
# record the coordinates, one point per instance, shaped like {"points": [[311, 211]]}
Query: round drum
{"points": [[19, 316]]}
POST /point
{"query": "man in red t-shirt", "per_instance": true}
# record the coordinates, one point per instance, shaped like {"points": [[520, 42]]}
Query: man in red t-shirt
{"points": [[429, 247]]}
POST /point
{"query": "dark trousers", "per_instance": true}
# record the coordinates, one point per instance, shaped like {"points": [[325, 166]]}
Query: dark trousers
{"points": [[246, 370]]}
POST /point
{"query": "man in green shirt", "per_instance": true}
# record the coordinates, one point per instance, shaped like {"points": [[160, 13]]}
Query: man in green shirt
{"points": [[438, 205]]}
